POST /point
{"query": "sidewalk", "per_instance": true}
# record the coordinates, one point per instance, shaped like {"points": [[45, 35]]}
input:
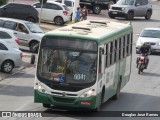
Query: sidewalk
{"points": [[48, 26]]}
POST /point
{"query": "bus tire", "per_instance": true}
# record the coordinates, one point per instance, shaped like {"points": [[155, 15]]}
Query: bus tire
{"points": [[116, 96], [34, 46], [33, 57], [46, 105]]}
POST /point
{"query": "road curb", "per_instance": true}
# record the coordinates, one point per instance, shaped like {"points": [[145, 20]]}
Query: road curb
{"points": [[26, 63], [7, 76]]}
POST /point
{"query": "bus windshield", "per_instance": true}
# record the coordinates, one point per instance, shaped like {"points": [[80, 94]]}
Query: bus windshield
{"points": [[67, 66]]}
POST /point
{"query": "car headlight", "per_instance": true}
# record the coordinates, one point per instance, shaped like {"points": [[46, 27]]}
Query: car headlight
{"points": [[88, 93], [123, 8]]}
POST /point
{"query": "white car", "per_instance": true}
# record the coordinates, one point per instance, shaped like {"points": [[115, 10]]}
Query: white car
{"points": [[10, 57], [68, 3], [9, 37], [150, 36], [53, 12], [28, 33]]}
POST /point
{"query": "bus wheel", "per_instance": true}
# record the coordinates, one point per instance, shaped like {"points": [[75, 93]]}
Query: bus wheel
{"points": [[33, 57], [46, 105], [116, 96]]}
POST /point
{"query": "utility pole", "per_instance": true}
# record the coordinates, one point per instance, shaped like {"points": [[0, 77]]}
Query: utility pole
{"points": [[40, 13], [63, 1]]}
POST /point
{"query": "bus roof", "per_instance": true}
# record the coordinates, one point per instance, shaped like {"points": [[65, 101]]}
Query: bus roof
{"points": [[99, 31]]}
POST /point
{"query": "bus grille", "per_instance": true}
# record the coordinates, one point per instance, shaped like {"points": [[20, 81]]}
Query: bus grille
{"points": [[66, 88], [64, 100]]}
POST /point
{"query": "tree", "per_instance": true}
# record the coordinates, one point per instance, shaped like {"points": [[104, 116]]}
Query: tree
{"points": [[3, 2], [44, 1]]}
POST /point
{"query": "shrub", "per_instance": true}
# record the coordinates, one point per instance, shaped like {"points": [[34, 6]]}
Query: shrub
{"points": [[3, 2]]}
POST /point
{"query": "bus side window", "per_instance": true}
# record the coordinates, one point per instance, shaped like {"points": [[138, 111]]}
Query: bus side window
{"points": [[131, 43], [111, 53], [108, 58], [124, 46], [120, 49], [115, 51], [128, 45], [107, 55], [100, 61], [117, 57]]}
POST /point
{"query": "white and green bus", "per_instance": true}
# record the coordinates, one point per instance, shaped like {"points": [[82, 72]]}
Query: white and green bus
{"points": [[84, 64]]}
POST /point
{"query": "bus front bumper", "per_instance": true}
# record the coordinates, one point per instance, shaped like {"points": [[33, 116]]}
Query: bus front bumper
{"points": [[61, 101]]}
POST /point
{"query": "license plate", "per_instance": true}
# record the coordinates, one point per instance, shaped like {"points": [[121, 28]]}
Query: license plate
{"points": [[114, 12]]}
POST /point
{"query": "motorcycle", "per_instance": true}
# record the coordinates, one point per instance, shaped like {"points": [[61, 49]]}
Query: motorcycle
{"points": [[141, 63]]}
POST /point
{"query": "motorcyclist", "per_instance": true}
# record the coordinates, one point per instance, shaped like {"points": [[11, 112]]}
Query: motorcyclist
{"points": [[145, 50]]}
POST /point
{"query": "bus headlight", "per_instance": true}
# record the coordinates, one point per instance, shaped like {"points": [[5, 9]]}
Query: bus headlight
{"points": [[88, 93], [40, 88]]}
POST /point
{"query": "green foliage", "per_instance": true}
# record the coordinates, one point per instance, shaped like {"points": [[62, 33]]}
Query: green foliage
{"points": [[3, 2]]}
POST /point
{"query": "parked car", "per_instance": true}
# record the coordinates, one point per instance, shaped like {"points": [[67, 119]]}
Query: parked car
{"points": [[19, 11], [54, 12], [10, 57], [150, 36], [97, 5], [28, 33], [68, 3], [9, 37], [130, 9]]}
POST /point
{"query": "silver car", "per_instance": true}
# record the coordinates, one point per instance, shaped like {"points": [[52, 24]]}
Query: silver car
{"points": [[150, 36], [130, 9], [28, 33], [9, 37], [10, 57]]}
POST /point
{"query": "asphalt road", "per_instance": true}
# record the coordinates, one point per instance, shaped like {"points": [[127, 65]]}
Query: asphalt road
{"points": [[142, 93]]}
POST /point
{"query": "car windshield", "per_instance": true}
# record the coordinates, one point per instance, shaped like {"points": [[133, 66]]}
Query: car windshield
{"points": [[34, 28], [151, 33], [125, 2], [67, 66]]}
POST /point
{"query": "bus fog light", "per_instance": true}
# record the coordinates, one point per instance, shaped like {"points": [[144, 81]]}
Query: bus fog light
{"points": [[43, 90]]}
